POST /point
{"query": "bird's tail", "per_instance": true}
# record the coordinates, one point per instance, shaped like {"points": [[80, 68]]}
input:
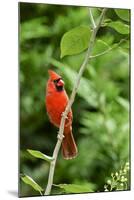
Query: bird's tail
{"points": [[69, 148]]}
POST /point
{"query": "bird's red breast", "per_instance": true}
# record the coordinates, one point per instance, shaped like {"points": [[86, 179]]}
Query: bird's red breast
{"points": [[56, 101]]}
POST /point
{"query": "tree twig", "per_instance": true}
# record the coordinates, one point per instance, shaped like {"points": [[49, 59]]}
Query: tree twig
{"points": [[70, 102], [92, 19]]}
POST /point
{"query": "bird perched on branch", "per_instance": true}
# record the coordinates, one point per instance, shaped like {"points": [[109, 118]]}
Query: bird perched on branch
{"points": [[56, 102]]}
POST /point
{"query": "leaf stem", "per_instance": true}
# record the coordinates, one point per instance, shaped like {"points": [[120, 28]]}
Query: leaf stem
{"points": [[70, 102], [109, 49]]}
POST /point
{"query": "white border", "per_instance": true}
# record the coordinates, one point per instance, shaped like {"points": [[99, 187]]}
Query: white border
{"points": [[9, 98], [97, 3]]}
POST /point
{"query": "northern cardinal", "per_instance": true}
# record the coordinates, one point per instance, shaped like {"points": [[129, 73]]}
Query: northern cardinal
{"points": [[56, 101]]}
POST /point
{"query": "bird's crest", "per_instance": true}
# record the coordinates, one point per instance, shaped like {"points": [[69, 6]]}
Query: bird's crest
{"points": [[53, 75]]}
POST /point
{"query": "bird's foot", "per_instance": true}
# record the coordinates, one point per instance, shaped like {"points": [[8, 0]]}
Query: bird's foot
{"points": [[60, 137], [63, 115]]}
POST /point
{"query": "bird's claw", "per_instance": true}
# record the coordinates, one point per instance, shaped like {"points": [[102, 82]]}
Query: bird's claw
{"points": [[60, 137], [63, 115]]}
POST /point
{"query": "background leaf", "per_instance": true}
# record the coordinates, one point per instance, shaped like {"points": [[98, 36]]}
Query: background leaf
{"points": [[125, 46], [75, 41], [123, 14], [28, 180], [29, 29], [100, 46], [119, 27], [123, 103], [75, 188], [38, 154]]}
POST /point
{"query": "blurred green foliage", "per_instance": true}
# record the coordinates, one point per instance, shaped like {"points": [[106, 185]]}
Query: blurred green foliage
{"points": [[101, 108]]}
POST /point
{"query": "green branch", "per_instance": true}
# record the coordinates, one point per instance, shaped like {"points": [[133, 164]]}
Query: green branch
{"points": [[92, 19]]}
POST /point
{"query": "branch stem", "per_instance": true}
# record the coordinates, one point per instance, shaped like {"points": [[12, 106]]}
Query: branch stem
{"points": [[92, 19], [70, 102]]}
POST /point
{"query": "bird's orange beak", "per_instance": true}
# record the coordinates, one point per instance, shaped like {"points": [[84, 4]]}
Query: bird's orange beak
{"points": [[60, 83]]}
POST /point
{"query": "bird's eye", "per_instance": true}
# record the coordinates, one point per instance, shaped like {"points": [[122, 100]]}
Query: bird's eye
{"points": [[57, 80]]}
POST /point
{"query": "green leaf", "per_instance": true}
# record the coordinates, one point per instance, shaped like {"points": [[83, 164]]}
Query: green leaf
{"points": [[123, 14], [125, 46], [119, 27], [75, 41], [74, 188], [34, 28], [99, 47], [123, 102], [29, 181], [38, 154]]}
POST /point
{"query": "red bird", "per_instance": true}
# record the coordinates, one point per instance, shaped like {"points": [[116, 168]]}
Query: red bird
{"points": [[56, 101]]}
